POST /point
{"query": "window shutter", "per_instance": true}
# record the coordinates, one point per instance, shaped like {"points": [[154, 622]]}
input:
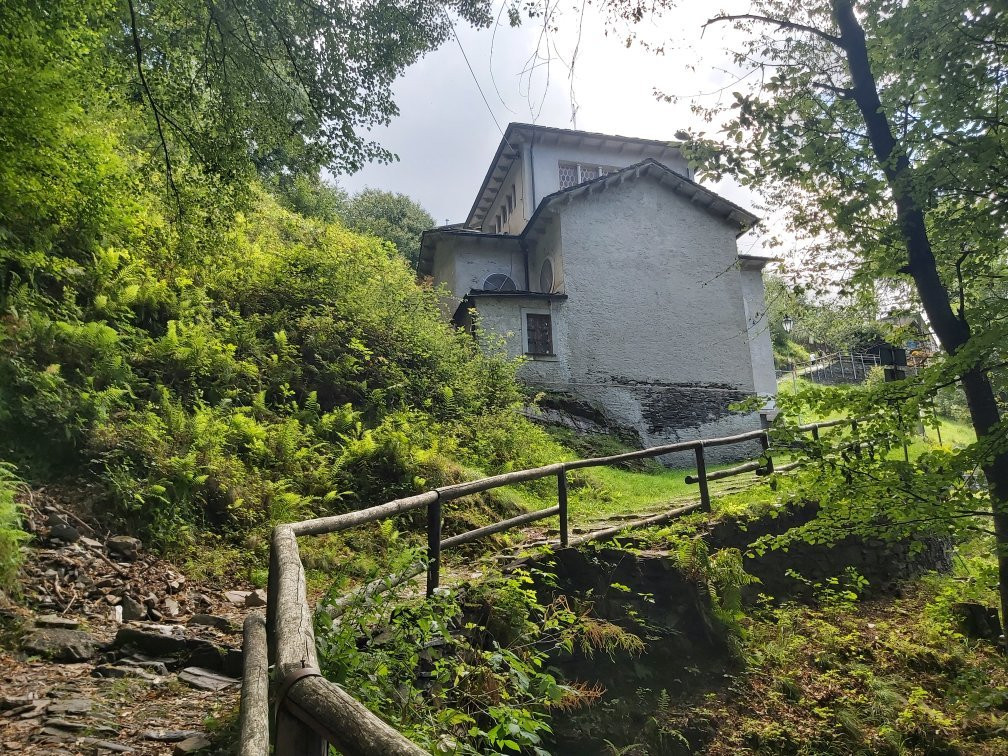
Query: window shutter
{"points": [[540, 333]]}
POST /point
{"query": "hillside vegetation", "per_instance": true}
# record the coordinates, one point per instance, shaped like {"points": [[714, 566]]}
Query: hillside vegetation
{"points": [[207, 363]]}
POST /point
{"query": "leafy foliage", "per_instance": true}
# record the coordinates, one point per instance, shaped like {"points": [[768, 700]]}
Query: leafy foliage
{"points": [[276, 86], [463, 672], [858, 476], [721, 575], [836, 324], [240, 366], [391, 216]]}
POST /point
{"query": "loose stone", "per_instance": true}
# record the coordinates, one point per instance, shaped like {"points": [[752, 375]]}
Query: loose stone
{"points": [[61, 645]]}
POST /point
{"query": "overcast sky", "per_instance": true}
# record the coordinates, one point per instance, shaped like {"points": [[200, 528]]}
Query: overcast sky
{"points": [[445, 135]]}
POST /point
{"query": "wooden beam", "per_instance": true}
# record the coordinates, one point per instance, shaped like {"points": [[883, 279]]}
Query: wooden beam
{"points": [[345, 722], [498, 527], [321, 525], [254, 707], [647, 522], [721, 474], [294, 640]]}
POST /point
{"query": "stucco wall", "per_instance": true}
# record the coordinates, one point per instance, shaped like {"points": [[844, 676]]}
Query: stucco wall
{"points": [[760, 346], [656, 329], [444, 275], [463, 264], [548, 247], [503, 316], [546, 160]]}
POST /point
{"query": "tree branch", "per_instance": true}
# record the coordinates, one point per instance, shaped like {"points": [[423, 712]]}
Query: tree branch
{"points": [[138, 50], [780, 23], [842, 92]]}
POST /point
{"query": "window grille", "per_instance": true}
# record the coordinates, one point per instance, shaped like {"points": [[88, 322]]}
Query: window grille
{"points": [[568, 175], [539, 329], [572, 174], [499, 282]]}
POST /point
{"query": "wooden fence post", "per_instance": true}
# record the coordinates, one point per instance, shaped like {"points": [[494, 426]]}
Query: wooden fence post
{"points": [[433, 546], [701, 472], [765, 443], [562, 500]]}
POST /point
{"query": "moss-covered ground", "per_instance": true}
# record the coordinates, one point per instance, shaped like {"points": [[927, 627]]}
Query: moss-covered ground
{"points": [[886, 676]]}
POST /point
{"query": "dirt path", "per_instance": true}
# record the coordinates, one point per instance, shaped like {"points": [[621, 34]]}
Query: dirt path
{"points": [[110, 649]]}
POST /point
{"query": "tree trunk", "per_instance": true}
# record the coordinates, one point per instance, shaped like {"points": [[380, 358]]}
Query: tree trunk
{"points": [[953, 331]]}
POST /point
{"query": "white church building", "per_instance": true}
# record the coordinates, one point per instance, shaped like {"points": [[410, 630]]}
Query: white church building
{"points": [[618, 278]]}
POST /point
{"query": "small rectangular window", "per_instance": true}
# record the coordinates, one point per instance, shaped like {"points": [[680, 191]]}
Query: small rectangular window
{"points": [[539, 329]]}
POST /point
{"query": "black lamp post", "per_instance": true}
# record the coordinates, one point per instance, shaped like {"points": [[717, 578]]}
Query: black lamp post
{"points": [[788, 324]]}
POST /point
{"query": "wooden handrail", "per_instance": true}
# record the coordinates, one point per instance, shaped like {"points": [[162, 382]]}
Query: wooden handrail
{"points": [[499, 527], [313, 712]]}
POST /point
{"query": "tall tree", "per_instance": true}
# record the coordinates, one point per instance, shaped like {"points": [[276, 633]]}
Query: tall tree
{"points": [[392, 216], [279, 85], [880, 126]]}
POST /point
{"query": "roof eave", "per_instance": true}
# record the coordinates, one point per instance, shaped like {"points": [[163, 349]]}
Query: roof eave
{"points": [[745, 219]]}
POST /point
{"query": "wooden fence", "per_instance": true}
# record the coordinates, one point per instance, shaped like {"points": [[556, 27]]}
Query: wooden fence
{"points": [[309, 712]]}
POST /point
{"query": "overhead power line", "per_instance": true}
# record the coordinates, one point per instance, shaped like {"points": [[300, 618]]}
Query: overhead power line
{"points": [[473, 74]]}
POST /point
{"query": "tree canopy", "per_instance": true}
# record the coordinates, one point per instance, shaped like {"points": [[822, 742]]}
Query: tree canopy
{"points": [[272, 86], [878, 127], [391, 216]]}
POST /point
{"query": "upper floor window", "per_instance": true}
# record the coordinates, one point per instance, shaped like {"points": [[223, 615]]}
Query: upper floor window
{"points": [[572, 174]]}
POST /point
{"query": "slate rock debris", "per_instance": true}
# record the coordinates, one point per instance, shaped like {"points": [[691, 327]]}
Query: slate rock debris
{"points": [[61, 644]]}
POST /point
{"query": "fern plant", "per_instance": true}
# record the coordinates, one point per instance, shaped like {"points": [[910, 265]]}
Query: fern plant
{"points": [[11, 534], [720, 575]]}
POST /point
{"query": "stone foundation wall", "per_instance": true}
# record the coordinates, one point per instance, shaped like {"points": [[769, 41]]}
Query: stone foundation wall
{"points": [[652, 414], [884, 564]]}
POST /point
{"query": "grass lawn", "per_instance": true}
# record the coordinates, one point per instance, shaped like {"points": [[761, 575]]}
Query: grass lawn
{"points": [[609, 492], [604, 492]]}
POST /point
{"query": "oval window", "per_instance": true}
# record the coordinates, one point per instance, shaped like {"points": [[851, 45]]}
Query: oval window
{"points": [[546, 277]]}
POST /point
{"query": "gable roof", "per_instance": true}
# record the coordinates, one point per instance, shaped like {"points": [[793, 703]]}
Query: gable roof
{"points": [[704, 198], [520, 133], [700, 196]]}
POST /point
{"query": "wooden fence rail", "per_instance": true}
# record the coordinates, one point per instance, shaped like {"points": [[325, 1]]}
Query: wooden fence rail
{"points": [[310, 711]]}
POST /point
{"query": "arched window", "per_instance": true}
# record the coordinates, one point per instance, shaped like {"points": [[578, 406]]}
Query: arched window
{"points": [[499, 282], [546, 277]]}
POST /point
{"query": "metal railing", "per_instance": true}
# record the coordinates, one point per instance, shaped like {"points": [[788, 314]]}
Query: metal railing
{"points": [[310, 711]]}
